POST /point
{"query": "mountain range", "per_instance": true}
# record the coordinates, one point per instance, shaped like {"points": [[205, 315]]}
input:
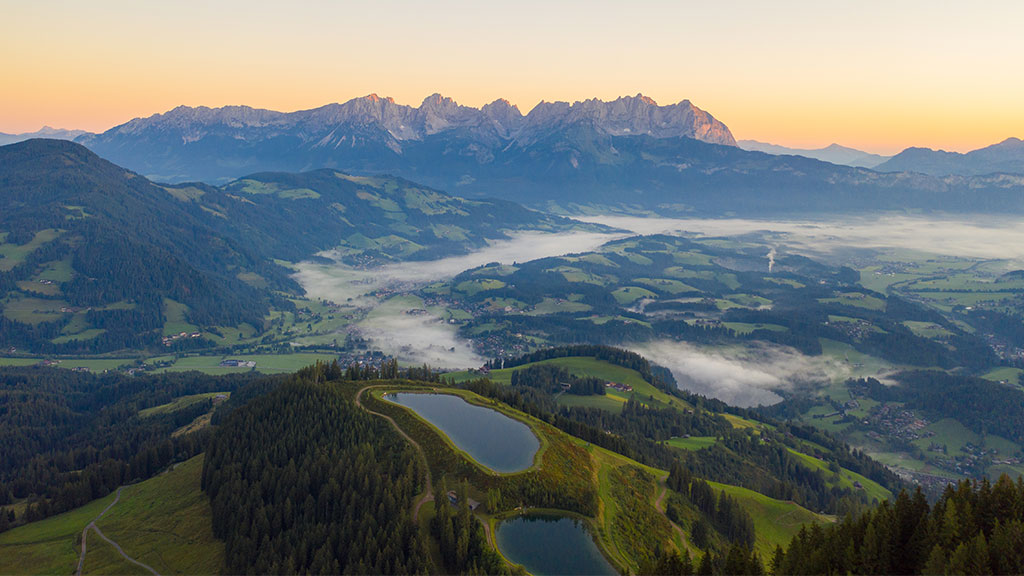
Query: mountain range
{"points": [[627, 155], [372, 132], [833, 153]]}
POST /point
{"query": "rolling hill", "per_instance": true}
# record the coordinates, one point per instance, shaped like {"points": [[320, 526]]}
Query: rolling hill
{"points": [[96, 258]]}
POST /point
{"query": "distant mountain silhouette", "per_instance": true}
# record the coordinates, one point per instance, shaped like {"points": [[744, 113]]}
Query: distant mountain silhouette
{"points": [[1006, 157], [833, 153], [44, 132]]}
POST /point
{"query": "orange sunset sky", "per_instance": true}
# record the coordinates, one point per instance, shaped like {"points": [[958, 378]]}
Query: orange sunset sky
{"points": [[879, 76]]}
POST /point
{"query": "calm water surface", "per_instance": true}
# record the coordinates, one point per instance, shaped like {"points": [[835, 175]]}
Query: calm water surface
{"points": [[551, 545], [501, 443]]}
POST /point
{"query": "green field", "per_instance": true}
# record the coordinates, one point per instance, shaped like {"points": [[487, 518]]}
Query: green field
{"points": [[33, 310], [265, 363], [748, 300], [93, 364], [179, 403], [927, 329], [176, 312], [745, 328], [775, 521], [474, 287], [1010, 375], [629, 294], [556, 306], [693, 442], [673, 287], [164, 522], [609, 402], [14, 254]]}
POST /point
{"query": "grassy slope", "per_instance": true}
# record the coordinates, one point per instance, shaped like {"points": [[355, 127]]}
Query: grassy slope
{"points": [[49, 546], [164, 522], [846, 477], [179, 403], [775, 521]]}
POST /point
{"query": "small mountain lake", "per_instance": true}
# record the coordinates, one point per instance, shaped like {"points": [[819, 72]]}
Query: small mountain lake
{"points": [[498, 442], [548, 545]]}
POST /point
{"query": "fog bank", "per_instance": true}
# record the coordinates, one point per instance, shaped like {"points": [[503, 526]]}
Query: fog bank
{"points": [[425, 338], [743, 376], [968, 237]]}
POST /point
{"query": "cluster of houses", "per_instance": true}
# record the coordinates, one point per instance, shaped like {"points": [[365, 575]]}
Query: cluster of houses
{"points": [[169, 340], [619, 387]]}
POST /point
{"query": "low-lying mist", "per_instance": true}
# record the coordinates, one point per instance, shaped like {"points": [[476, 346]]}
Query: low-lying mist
{"points": [[743, 376], [967, 237], [424, 337]]}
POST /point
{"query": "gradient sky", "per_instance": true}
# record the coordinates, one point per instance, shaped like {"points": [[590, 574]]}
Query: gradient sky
{"points": [[879, 76]]}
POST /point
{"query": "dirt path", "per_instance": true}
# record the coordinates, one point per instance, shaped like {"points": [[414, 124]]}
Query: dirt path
{"points": [[85, 531], [659, 505], [120, 551], [92, 525], [429, 495]]}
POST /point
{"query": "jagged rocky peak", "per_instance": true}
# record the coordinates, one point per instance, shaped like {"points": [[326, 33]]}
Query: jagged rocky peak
{"points": [[634, 115], [438, 113], [501, 120], [504, 116]]}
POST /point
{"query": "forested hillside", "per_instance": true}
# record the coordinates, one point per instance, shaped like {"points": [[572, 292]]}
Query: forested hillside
{"points": [[68, 438], [302, 480]]}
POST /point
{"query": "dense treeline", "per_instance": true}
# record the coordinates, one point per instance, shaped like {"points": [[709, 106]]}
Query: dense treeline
{"points": [[388, 370], [70, 437], [974, 528], [723, 512], [737, 560], [301, 480]]}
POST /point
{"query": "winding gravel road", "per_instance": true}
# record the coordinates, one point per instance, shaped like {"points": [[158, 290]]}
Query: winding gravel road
{"points": [[93, 526]]}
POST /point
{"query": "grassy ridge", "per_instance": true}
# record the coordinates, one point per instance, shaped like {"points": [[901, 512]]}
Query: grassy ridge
{"points": [[164, 522], [179, 403], [586, 366]]}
